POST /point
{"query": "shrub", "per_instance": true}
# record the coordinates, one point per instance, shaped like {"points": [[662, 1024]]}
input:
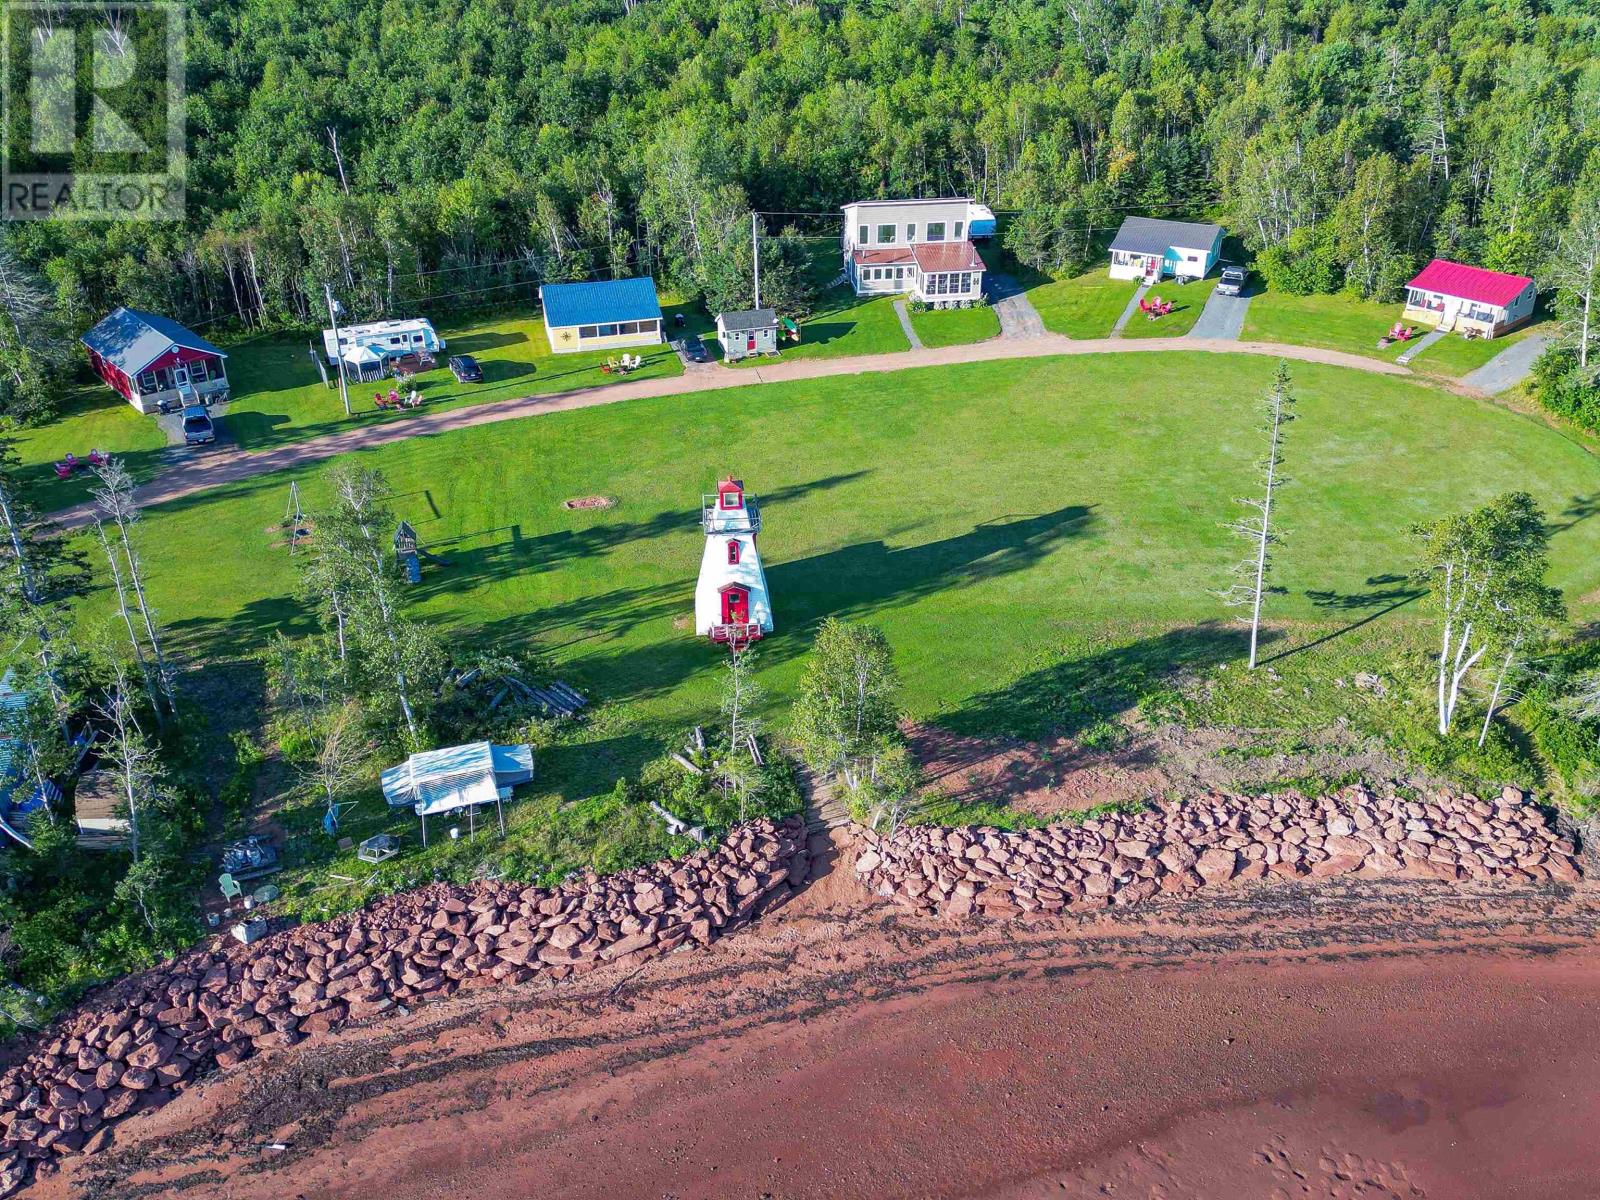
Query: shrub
{"points": [[1560, 387]]}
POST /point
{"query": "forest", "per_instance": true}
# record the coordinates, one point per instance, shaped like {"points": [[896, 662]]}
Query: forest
{"points": [[459, 152]]}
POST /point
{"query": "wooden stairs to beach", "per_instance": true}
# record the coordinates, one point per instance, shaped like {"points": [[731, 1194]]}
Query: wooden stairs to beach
{"points": [[824, 809]]}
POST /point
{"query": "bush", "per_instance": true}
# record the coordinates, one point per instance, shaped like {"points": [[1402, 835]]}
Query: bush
{"points": [[1305, 265], [1560, 387]]}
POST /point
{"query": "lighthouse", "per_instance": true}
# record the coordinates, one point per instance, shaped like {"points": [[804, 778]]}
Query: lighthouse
{"points": [[731, 603]]}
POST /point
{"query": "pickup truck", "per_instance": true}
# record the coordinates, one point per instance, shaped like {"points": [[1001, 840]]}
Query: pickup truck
{"points": [[1233, 280], [198, 428]]}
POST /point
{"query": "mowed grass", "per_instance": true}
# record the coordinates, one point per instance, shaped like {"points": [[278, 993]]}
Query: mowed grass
{"points": [[842, 324], [93, 418], [981, 514], [279, 397], [955, 326], [1331, 322], [1354, 326], [1188, 302], [1086, 306], [1455, 356]]}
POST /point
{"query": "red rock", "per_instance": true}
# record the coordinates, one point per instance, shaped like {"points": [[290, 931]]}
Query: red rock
{"points": [[138, 1078], [1217, 865]]}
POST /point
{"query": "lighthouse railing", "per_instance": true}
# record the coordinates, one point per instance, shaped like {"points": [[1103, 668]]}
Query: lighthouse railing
{"points": [[715, 519]]}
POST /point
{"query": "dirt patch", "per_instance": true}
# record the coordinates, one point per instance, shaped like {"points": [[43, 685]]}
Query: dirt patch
{"points": [[1063, 775], [590, 502]]}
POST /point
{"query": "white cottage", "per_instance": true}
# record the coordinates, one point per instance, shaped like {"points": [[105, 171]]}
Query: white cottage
{"points": [[731, 601], [1474, 300], [920, 247], [1149, 249]]}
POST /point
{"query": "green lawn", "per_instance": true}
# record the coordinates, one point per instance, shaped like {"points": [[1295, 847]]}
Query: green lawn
{"points": [[1188, 302], [1086, 306], [93, 418], [1455, 356], [955, 326], [1354, 326], [1333, 322], [842, 324], [978, 513], [279, 396]]}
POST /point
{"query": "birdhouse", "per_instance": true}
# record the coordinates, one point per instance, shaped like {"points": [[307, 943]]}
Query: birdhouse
{"points": [[731, 604]]}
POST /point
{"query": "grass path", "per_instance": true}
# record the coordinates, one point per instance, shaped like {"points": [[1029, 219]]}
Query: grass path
{"points": [[226, 465]]}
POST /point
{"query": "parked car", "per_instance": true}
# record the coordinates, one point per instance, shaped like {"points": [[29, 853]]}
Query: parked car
{"points": [[1233, 280], [198, 428], [695, 350], [466, 369]]}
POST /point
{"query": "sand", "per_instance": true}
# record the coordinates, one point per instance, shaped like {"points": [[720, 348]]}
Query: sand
{"points": [[1345, 1039]]}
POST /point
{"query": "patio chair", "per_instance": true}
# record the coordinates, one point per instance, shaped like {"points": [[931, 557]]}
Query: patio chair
{"points": [[229, 886]]}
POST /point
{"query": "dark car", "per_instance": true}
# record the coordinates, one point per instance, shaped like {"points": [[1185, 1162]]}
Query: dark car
{"points": [[695, 350], [1233, 280], [466, 369], [198, 428]]}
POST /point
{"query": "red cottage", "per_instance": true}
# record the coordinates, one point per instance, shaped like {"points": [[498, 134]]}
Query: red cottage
{"points": [[154, 363]]}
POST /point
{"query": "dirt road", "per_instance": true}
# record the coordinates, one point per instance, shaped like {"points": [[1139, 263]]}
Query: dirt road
{"points": [[229, 464], [1327, 1040]]}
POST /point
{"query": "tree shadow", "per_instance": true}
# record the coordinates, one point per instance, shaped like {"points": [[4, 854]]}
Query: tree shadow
{"points": [[1384, 594], [515, 554], [1579, 509], [477, 343], [869, 575], [853, 581], [1066, 697], [820, 333]]}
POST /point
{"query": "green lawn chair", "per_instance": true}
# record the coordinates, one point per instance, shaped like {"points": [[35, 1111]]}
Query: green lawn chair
{"points": [[230, 886]]}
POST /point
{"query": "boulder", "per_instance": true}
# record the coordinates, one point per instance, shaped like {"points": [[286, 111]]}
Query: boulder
{"points": [[1217, 865]]}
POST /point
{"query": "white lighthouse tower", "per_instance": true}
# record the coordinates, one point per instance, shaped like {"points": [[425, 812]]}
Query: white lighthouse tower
{"points": [[731, 603]]}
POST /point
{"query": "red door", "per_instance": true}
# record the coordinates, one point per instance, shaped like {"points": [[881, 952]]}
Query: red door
{"points": [[735, 606]]}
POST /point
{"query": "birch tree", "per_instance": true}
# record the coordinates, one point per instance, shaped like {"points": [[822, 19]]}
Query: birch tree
{"points": [[1479, 565], [1575, 271], [847, 713], [1520, 617], [1252, 574], [391, 659], [336, 765], [115, 506]]}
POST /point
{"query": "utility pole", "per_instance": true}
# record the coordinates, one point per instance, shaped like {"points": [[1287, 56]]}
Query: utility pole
{"points": [[755, 252], [338, 353]]}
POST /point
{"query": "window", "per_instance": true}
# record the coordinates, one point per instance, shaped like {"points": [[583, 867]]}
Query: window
{"points": [[395, 341], [730, 499], [911, 232], [956, 232], [966, 281], [198, 371], [147, 382], [885, 233], [588, 331], [733, 552], [608, 331], [863, 238], [936, 231]]}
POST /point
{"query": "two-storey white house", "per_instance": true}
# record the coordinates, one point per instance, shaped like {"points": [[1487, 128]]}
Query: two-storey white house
{"points": [[920, 247]]}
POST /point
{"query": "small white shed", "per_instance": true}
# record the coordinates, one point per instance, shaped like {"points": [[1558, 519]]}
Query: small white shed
{"points": [[748, 332]]}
